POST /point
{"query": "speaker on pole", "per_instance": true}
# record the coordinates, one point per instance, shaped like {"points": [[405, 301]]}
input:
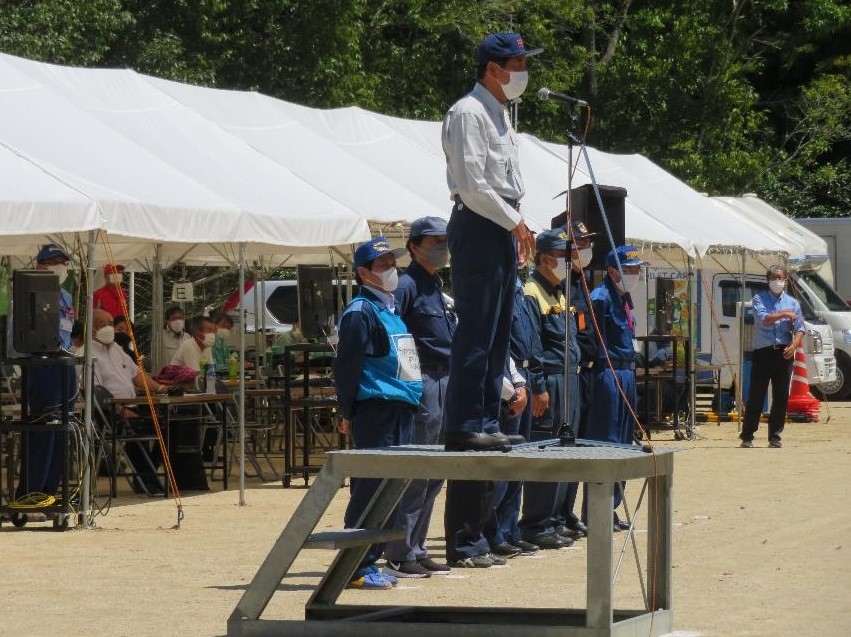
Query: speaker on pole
{"points": [[35, 312], [584, 207]]}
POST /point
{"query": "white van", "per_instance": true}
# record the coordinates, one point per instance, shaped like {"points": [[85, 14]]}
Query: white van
{"points": [[280, 305], [718, 320], [828, 306]]}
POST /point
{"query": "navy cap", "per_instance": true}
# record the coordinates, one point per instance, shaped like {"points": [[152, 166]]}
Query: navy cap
{"points": [[373, 249], [428, 227], [580, 230], [551, 240], [50, 251], [499, 46], [627, 255]]}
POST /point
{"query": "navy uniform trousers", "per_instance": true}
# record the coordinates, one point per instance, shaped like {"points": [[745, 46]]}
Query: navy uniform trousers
{"points": [[504, 526], [376, 423], [609, 418], [484, 268], [415, 508], [544, 502]]}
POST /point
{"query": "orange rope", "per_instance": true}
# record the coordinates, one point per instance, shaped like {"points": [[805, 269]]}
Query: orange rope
{"points": [[147, 390]]}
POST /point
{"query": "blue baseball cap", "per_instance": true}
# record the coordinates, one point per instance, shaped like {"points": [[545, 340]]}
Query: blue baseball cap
{"points": [[551, 240], [500, 46], [428, 227], [50, 251], [373, 249], [627, 255], [580, 230]]}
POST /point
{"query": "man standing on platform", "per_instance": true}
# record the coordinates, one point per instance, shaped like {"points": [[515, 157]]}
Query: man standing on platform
{"points": [[486, 233], [778, 333], [430, 316], [378, 381]]}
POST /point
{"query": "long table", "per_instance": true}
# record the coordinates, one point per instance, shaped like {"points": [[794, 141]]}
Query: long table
{"points": [[598, 465], [174, 401]]}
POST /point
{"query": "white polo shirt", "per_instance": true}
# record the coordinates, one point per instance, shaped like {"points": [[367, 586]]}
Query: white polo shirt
{"points": [[191, 356], [114, 369]]}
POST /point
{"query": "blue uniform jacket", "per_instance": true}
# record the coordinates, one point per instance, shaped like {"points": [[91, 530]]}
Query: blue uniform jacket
{"points": [[525, 342], [421, 304], [552, 323], [362, 336], [611, 316], [586, 335]]}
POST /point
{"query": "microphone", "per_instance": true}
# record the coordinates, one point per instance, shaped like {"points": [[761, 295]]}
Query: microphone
{"points": [[546, 94]]}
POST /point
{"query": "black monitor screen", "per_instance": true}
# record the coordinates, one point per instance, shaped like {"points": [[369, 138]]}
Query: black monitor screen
{"points": [[315, 300]]}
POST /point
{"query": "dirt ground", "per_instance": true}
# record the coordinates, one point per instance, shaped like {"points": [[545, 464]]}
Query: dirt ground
{"points": [[762, 547]]}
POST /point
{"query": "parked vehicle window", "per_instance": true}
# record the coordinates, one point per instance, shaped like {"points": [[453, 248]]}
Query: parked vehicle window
{"points": [[823, 291]]}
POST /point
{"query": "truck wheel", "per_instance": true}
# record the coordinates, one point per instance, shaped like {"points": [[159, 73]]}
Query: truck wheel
{"points": [[840, 389]]}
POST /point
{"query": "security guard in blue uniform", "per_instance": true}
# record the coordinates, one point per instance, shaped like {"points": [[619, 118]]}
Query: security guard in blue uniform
{"points": [[586, 339], [43, 463], [377, 378], [543, 501], [430, 317], [612, 419], [503, 532]]}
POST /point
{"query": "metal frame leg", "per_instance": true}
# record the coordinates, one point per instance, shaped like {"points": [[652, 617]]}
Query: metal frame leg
{"points": [[600, 545]]}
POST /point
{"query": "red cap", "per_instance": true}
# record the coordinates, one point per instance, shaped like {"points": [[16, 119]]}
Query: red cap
{"points": [[111, 268]]}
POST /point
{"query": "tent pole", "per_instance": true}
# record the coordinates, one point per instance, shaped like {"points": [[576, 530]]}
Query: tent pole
{"points": [[88, 376], [241, 375], [157, 311], [741, 392], [692, 343], [131, 297]]}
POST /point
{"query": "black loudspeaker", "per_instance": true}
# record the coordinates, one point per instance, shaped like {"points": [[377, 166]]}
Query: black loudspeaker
{"points": [[315, 300], [35, 312], [584, 208]]}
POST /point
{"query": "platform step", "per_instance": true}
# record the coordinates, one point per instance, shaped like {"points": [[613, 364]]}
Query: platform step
{"points": [[347, 538]]}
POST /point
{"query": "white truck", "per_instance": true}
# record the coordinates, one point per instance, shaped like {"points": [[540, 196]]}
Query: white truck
{"points": [[663, 299], [836, 232]]}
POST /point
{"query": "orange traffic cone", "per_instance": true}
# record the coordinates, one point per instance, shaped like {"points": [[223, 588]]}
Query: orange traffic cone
{"points": [[801, 401]]}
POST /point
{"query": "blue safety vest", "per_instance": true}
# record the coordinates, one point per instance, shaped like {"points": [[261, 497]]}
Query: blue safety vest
{"points": [[396, 375]]}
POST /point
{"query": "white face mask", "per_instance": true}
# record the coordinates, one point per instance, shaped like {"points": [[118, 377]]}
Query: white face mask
{"points": [[560, 269], [628, 283], [585, 256], [209, 339], [106, 334], [60, 270], [777, 286], [389, 279], [114, 279], [176, 325], [517, 81], [223, 333]]}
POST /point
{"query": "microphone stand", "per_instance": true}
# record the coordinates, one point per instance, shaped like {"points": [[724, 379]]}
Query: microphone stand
{"points": [[566, 435]]}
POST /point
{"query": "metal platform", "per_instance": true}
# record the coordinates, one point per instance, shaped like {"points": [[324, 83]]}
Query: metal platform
{"points": [[599, 466]]}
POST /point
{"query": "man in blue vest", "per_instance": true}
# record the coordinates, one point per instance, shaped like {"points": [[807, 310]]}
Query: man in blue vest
{"points": [[611, 417], [378, 382], [430, 317]]}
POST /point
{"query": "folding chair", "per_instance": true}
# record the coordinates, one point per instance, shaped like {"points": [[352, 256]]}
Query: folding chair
{"points": [[117, 432]]}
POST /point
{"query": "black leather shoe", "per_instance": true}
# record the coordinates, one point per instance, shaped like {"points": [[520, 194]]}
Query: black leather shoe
{"points": [[578, 528], [564, 531], [549, 541], [476, 441], [506, 550], [527, 547]]}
